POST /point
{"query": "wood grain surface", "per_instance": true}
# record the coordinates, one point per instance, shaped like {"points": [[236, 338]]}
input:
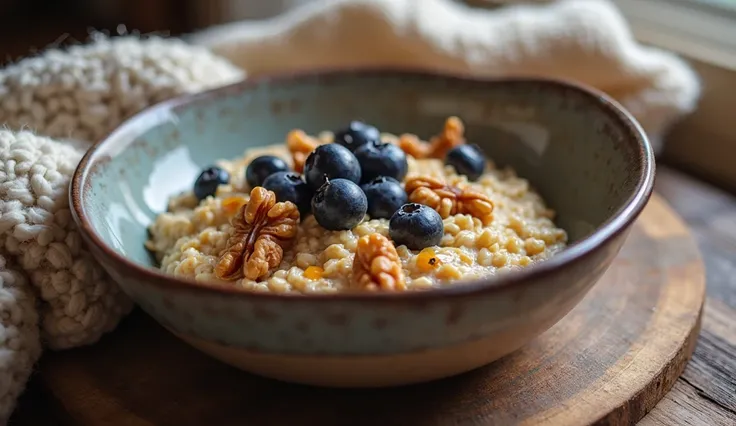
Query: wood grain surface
{"points": [[609, 361], [705, 394]]}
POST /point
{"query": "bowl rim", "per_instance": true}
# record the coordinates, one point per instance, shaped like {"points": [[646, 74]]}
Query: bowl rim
{"points": [[618, 223]]}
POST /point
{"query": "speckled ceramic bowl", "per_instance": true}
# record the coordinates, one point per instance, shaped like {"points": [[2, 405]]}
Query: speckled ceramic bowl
{"points": [[586, 156]]}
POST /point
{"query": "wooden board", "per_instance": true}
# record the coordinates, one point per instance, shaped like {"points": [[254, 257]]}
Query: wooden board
{"points": [[609, 361]]}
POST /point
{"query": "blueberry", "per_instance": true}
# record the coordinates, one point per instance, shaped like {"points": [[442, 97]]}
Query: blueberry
{"points": [[331, 161], [385, 195], [208, 181], [289, 186], [416, 226], [262, 167], [381, 159], [467, 160], [356, 134], [339, 204]]}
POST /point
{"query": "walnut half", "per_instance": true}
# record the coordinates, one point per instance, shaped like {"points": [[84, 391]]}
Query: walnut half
{"points": [[261, 231], [449, 200], [377, 265]]}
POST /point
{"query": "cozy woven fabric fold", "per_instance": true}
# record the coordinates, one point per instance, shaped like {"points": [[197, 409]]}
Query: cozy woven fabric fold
{"points": [[583, 40], [19, 342], [52, 106]]}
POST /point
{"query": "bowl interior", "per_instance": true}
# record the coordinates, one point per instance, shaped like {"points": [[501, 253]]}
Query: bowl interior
{"points": [[580, 155]]}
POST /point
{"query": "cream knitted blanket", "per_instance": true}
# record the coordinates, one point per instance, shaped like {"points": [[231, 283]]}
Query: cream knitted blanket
{"points": [[52, 292]]}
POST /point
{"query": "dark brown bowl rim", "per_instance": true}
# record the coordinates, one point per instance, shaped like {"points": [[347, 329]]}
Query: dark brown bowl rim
{"points": [[615, 225]]}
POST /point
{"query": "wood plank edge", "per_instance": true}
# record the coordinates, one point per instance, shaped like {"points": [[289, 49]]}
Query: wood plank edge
{"points": [[647, 398]]}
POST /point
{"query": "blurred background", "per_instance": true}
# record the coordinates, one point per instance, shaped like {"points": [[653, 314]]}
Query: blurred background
{"points": [[28, 25]]}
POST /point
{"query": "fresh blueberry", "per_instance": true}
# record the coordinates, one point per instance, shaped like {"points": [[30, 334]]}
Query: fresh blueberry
{"points": [[208, 181], [385, 195], [331, 161], [467, 160], [381, 159], [356, 134], [289, 186], [339, 204], [416, 226], [262, 167]]}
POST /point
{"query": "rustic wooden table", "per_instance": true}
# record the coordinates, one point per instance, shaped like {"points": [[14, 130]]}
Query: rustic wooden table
{"points": [[706, 393]]}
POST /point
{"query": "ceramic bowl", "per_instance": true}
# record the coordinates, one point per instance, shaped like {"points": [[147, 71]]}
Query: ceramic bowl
{"points": [[587, 157]]}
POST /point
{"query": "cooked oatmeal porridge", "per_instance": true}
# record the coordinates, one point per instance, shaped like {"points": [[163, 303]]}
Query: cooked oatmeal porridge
{"points": [[274, 220]]}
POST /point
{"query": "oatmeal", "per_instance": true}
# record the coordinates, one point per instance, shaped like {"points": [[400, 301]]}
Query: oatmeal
{"points": [[356, 210]]}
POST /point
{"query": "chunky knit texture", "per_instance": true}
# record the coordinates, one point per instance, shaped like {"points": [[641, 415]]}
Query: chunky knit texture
{"points": [[19, 342], [83, 92], [36, 229], [52, 107]]}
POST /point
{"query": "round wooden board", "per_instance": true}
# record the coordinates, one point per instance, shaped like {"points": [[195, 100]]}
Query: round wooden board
{"points": [[609, 361]]}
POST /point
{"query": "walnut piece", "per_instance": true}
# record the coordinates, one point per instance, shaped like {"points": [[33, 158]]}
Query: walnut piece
{"points": [[261, 231], [376, 265], [438, 146], [449, 200], [300, 145], [412, 145], [452, 135]]}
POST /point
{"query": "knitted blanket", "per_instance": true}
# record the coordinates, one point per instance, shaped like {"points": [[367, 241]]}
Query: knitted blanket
{"points": [[52, 106]]}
